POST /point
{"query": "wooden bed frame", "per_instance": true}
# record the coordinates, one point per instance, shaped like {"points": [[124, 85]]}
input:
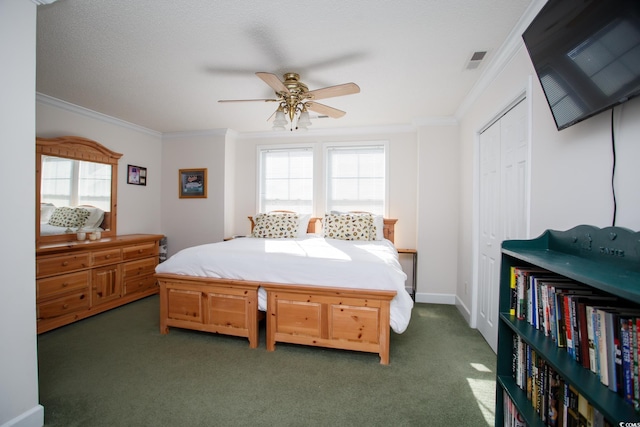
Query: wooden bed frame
{"points": [[340, 318]]}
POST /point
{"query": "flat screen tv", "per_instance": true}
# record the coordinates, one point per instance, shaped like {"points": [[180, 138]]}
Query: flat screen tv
{"points": [[586, 54]]}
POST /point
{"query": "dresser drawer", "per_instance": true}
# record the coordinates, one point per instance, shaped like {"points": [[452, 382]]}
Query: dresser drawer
{"points": [[142, 267], [58, 285], [140, 251], [63, 305], [137, 284], [106, 257], [46, 266]]}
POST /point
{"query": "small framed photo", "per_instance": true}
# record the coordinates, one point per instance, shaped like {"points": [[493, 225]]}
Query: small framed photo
{"points": [[192, 183], [136, 175]]}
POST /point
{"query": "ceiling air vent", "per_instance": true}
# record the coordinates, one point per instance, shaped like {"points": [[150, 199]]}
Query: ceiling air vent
{"points": [[476, 59]]}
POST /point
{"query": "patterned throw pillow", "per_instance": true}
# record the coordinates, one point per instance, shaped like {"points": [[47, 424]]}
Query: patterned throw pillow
{"points": [[69, 217], [349, 226], [276, 226]]}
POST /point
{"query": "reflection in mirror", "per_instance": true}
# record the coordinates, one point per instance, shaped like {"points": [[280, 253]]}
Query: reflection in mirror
{"points": [[76, 188], [74, 183]]}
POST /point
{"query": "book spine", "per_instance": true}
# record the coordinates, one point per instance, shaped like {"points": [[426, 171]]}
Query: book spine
{"points": [[552, 314], [591, 338], [560, 321], [634, 354], [625, 338], [522, 293], [610, 320], [575, 333], [584, 339], [568, 327], [513, 300], [603, 363]]}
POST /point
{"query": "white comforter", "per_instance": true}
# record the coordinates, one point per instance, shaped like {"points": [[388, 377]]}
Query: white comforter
{"points": [[305, 261]]}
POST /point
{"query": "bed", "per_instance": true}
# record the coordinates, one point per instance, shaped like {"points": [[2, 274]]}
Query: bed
{"points": [[63, 220], [312, 290]]}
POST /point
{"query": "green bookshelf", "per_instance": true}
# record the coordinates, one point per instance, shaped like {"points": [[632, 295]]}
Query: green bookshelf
{"points": [[605, 259]]}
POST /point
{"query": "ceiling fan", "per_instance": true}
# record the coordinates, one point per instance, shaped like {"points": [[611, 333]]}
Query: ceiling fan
{"points": [[296, 100]]}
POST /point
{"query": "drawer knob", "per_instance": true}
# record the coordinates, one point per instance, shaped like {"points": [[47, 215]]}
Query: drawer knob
{"points": [[65, 263], [65, 306], [139, 251], [108, 256], [65, 284]]}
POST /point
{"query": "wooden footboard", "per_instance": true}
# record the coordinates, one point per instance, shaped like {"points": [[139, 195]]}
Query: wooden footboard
{"points": [[348, 319], [222, 306]]}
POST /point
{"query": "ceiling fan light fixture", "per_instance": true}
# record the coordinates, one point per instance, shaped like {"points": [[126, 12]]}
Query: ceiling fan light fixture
{"points": [[294, 99], [280, 121], [304, 121]]}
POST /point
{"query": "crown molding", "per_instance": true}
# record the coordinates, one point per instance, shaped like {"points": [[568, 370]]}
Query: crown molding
{"points": [[55, 102], [42, 2]]}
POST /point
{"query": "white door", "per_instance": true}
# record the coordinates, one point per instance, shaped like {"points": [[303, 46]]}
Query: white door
{"points": [[504, 192]]}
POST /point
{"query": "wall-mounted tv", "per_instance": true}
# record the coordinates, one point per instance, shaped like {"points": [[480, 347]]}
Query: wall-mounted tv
{"points": [[586, 54]]}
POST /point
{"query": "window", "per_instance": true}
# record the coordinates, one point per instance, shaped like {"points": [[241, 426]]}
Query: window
{"points": [[286, 180], [356, 178], [67, 182]]}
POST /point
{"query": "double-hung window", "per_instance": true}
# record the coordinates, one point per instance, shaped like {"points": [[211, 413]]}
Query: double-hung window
{"points": [[355, 178], [286, 180]]}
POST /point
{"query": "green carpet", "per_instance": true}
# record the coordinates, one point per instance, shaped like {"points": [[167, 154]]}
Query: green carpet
{"points": [[116, 369]]}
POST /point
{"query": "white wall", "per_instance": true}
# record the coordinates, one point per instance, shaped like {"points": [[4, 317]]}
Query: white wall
{"points": [[190, 222], [18, 358], [138, 206], [570, 169], [438, 212]]}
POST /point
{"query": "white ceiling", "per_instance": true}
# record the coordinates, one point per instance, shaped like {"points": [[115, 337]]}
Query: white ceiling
{"points": [[164, 64]]}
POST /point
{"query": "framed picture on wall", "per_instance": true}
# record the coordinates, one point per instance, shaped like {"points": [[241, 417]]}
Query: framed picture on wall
{"points": [[136, 175], [192, 183]]}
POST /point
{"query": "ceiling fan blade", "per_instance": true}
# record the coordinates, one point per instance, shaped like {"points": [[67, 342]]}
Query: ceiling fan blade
{"points": [[325, 110], [248, 100], [331, 91], [273, 81]]}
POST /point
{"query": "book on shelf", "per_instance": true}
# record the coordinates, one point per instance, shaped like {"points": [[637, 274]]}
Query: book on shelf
{"points": [[572, 417], [523, 286], [513, 300], [570, 309], [512, 417], [634, 350]]}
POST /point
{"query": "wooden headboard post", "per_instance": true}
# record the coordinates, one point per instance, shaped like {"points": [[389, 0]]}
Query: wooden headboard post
{"points": [[388, 231]]}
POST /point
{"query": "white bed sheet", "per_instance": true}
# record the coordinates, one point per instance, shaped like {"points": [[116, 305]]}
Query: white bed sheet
{"points": [[306, 261]]}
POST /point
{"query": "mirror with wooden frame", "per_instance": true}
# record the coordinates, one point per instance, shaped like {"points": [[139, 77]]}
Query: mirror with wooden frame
{"points": [[76, 188]]}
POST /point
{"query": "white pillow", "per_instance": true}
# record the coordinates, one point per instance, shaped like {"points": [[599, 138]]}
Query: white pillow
{"points": [[96, 215], [46, 209], [303, 224], [378, 223]]}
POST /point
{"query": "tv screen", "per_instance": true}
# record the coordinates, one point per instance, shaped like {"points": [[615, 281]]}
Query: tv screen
{"points": [[586, 54]]}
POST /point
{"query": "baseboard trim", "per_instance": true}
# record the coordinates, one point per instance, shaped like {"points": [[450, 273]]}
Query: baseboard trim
{"points": [[34, 417], [465, 312], [448, 299]]}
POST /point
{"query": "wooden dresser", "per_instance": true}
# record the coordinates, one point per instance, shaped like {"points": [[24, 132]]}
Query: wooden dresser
{"points": [[75, 280]]}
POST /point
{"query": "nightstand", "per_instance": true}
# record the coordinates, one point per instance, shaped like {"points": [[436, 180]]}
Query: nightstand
{"points": [[413, 252]]}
